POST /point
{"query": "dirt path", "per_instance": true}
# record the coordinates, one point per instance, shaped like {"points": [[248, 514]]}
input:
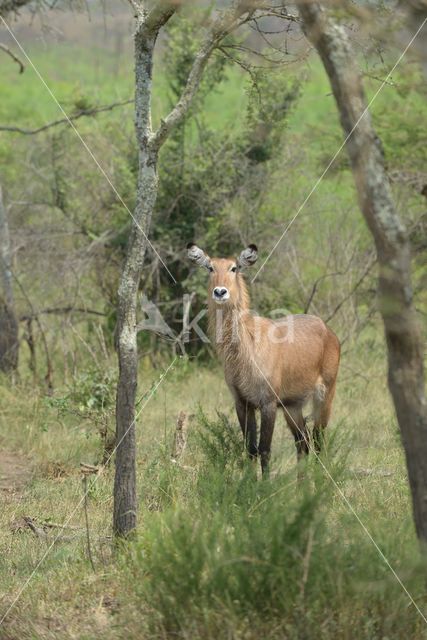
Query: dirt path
{"points": [[15, 471]]}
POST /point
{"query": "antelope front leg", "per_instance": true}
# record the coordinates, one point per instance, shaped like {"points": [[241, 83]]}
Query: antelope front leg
{"points": [[268, 419], [247, 420]]}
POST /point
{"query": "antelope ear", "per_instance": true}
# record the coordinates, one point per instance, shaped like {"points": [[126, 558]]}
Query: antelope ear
{"points": [[248, 256], [198, 256]]}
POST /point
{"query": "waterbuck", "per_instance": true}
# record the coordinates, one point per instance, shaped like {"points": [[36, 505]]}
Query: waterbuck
{"points": [[269, 363]]}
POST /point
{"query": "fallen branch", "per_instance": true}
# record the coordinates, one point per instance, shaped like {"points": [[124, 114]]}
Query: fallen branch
{"points": [[89, 469], [39, 532], [55, 525]]}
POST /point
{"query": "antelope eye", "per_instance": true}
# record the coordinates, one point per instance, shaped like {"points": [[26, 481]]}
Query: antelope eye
{"points": [[233, 269]]}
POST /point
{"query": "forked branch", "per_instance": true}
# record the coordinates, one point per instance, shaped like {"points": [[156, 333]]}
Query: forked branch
{"points": [[223, 25]]}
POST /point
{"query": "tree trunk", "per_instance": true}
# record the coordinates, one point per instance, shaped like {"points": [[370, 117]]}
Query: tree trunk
{"points": [[416, 11], [125, 501], [148, 26], [404, 344], [8, 322]]}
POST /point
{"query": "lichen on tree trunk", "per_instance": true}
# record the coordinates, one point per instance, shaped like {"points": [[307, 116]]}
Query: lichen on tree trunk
{"points": [[125, 501]]}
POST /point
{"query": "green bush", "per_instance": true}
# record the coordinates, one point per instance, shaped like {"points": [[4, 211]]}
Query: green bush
{"points": [[239, 551]]}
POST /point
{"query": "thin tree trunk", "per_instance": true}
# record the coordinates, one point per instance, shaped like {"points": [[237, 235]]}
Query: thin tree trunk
{"points": [[125, 501], [8, 321], [416, 11], [149, 143], [404, 344]]}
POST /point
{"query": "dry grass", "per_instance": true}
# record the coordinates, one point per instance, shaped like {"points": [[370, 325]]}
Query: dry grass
{"points": [[65, 599]]}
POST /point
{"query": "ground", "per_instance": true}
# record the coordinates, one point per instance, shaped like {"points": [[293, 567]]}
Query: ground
{"points": [[15, 471], [65, 598]]}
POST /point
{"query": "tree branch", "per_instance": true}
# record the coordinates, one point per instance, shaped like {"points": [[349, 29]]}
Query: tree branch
{"points": [[59, 311], [80, 114], [13, 56], [353, 290], [159, 15], [226, 22]]}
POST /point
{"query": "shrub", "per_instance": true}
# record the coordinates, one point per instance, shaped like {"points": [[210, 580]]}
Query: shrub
{"points": [[239, 551]]}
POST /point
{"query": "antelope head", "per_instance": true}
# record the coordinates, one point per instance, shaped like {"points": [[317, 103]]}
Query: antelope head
{"points": [[225, 281]]}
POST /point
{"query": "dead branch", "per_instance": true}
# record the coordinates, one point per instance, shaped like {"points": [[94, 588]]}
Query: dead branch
{"points": [[316, 284], [46, 524], [89, 469], [39, 532], [80, 114]]}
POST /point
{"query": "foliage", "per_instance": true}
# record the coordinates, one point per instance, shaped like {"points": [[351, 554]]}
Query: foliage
{"points": [[240, 552], [92, 389]]}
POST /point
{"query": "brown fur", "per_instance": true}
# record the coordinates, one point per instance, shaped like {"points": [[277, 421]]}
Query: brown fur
{"points": [[269, 363]]}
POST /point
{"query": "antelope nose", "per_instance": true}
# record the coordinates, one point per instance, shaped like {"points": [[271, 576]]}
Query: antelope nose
{"points": [[220, 292]]}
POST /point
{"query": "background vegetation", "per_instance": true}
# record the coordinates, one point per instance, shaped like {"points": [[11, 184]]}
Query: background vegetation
{"points": [[217, 554]]}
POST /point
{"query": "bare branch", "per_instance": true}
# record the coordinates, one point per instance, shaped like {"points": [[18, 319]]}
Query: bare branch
{"points": [[80, 114], [59, 311], [353, 290], [316, 284], [281, 13], [13, 56], [246, 67]]}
